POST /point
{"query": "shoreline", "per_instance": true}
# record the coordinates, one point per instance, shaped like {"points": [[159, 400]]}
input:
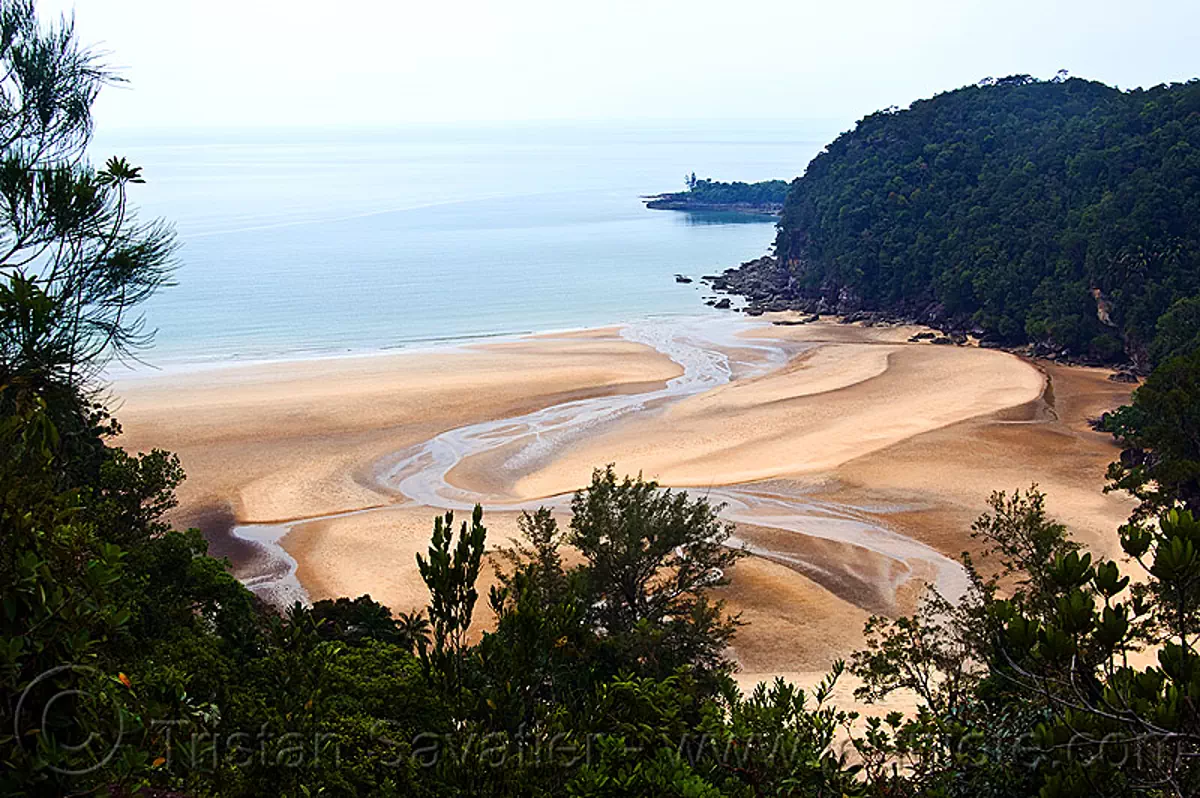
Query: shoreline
{"points": [[124, 373], [668, 202], [767, 287], [857, 417]]}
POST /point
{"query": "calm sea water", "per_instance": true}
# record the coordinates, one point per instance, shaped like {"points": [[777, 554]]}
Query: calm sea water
{"points": [[300, 244]]}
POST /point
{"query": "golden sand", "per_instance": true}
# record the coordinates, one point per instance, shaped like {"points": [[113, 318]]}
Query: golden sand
{"points": [[923, 432]]}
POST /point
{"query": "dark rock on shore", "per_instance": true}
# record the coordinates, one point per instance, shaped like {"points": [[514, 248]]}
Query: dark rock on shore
{"points": [[724, 304], [791, 322], [770, 286], [679, 278]]}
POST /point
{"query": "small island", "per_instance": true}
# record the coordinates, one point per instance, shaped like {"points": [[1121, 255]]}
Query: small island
{"points": [[764, 198]]}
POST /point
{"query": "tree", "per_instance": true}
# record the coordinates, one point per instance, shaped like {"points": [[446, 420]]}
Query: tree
{"points": [[971, 726], [542, 657], [352, 620], [413, 631], [75, 262], [535, 559], [360, 619], [1160, 430], [1177, 331], [450, 573], [636, 604], [651, 557], [115, 629], [1027, 686], [58, 581]]}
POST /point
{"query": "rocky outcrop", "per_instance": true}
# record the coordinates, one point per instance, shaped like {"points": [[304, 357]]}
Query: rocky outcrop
{"points": [[796, 322], [1124, 375], [762, 282], [770, 286]]}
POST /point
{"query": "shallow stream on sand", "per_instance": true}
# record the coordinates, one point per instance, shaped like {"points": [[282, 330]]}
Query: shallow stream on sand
{"points": [[711, 353]]}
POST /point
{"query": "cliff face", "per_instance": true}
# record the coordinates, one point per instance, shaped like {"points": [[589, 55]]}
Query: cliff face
{"points": [[1064, 214]]}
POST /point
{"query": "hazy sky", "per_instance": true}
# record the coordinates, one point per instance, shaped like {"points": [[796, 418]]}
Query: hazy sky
{"points": [[368, 62]]}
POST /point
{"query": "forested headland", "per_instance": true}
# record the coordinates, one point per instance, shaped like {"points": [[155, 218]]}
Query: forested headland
{"points": [[132, 663], [704, 194], [1064, 213]]}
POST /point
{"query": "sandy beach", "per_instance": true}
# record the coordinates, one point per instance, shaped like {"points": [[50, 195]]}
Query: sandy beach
{"points": [[891, 448]]}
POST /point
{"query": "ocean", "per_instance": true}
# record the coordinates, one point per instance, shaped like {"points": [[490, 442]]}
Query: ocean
{"points": [[312, 243]]}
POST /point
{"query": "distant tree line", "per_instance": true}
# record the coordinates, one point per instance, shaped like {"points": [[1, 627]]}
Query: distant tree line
{"points": [[766, 192], [706, 194]]}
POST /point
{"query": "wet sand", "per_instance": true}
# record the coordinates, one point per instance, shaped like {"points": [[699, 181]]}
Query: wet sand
{"points": [[275, 441], [913, 435]]}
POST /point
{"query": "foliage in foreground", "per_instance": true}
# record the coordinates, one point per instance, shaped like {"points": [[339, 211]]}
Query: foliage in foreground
{"points": [[602, 678]]}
